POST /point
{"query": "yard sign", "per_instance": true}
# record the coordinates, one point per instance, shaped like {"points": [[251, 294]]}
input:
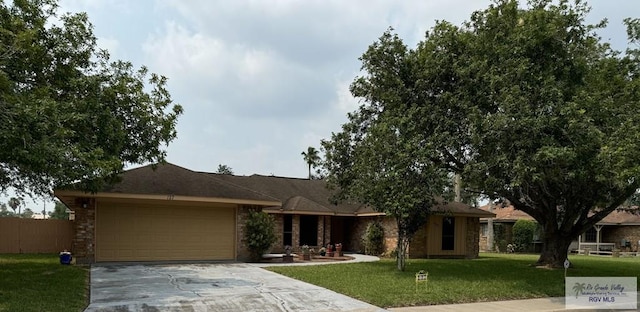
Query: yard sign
{"points": [[422, 277]]}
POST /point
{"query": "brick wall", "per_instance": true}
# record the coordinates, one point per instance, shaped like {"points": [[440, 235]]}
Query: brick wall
{"points": [[358, 231], [615, 234], [418, 246], [507, 227], [83, 245], [242, 253], [324, 230], [390, 233], [483, 243], [278, 246], [473, 238]]}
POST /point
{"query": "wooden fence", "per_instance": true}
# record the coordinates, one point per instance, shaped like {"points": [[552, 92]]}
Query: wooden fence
{"points": [[19, 235]]}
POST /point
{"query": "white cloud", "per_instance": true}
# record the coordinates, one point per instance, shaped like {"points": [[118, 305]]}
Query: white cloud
{"points": [[124, 6], [110, 44], [261, 81]]}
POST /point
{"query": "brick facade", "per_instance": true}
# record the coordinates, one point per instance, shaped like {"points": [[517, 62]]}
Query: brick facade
{"points": [[418, 246], [242, 253], [357, 233], [419, 243], [473, 238], [83, 245], [499, 242], [390, 233], [323, 234], [616, 233]]}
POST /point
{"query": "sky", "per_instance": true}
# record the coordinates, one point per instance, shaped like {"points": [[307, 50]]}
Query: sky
{"points": [[262, 80]]}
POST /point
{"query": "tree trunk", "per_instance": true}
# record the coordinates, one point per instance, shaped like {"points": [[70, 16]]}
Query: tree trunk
{"points": [[490, 230], [402, 252], [554, 251]]}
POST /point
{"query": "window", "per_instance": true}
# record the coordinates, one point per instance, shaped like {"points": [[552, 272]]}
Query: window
{"points": [[484, 229], [287, 229], [309, 230], [448, 233], [590, 235]]}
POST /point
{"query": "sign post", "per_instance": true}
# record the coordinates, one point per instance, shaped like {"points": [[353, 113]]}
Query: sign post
{"points": [[567, 264], [422, 277]]}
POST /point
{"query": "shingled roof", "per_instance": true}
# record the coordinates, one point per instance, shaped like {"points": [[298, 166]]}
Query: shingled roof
{"points": [[510, 214], [507, 214], [460, 209], [175, 180], [296, 195]]}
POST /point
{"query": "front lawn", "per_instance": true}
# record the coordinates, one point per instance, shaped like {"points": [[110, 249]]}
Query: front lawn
{"points": [[488, 278], [41, 283]]}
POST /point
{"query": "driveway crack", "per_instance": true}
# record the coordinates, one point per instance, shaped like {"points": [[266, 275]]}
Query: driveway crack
{"points": [[281, 303]]}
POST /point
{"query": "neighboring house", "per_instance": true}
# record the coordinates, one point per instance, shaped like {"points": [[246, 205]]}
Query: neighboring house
{"points": [[505, 218], [619, 230], [39, 216], [172, 213]]}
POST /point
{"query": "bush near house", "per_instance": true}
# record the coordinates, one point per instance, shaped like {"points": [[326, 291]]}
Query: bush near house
{"points": [[373, 239], [523, 232], [500, 237], [259, 234]]}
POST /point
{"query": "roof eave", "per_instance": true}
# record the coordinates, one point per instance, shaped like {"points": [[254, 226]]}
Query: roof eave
{"points": [[166, 197]]}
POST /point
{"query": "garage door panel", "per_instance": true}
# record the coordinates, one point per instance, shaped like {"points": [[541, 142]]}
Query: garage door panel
{"points": [[147, 233]]}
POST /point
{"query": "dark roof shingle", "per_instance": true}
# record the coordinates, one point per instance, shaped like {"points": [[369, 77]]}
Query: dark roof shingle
{"points": [[294, 194]]}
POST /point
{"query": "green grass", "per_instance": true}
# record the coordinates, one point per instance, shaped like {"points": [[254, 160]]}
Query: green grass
{"points": [[41, 283], [488, 278]]}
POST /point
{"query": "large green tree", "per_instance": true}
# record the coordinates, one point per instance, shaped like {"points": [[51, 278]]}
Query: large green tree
{"points": [[528, 104], [4, 212], [59, 211], [69, 113], [374, 159]]}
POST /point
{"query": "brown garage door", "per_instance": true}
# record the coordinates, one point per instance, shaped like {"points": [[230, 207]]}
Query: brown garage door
{"points": [[127, 232]]}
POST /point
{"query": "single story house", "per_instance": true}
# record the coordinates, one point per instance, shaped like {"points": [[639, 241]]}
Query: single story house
{"points": [[505, 217], [173, 213], [618, 230]]}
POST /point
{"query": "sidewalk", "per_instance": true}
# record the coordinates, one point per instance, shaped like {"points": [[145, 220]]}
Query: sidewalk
{"points": [[525, 305], [356, 258], [541, 304]]}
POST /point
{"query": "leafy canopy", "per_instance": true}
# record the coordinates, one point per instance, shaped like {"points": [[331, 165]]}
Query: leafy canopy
{"points": [[525, 102], [224, 169], [374, 159], [69, 113], [547, 115]]}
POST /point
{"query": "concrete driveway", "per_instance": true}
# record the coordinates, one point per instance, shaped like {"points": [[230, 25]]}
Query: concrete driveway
{"points": [[209, 287]]}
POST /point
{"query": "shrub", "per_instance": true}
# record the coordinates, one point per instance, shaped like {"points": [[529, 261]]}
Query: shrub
{"points": [[523, 232], [259, 234], [499, 238], [373, 239]]}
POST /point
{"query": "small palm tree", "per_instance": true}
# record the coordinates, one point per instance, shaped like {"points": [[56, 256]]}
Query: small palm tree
{"points": [[311, 157], [578, 288], [14, 203]]}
